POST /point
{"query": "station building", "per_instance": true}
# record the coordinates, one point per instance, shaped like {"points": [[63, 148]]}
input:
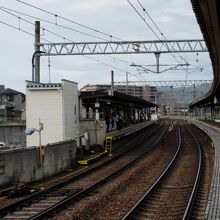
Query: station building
{"points": [[55, 106], [64, 113]]}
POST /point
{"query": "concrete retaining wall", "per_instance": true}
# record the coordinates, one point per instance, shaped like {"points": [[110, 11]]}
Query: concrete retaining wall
{"points": [[22, 165], [97, 130], [12, 134]]}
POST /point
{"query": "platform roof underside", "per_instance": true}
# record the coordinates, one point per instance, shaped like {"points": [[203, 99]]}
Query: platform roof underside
{"points": [[208, 16]]}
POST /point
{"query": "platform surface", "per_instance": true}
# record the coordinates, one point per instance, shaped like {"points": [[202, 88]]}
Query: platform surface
{"points": [[213, 206], [118, 134]]}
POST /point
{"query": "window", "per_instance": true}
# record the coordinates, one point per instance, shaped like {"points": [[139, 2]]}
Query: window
{"points": [[23, 98], [10, 97]]}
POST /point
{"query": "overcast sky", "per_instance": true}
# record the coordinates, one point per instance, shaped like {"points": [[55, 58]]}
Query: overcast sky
{"points": [[175, 18]]}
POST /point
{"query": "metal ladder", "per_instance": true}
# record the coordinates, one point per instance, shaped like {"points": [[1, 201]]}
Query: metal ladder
{"points": [[108, 145]]}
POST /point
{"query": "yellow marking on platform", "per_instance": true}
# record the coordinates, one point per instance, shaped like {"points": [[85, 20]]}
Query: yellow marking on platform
{"points": [[86, 162], [82, 162]]}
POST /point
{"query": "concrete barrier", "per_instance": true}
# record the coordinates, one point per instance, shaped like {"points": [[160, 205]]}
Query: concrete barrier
{"points": [[12, 134], [97, 130], [22, 165]]}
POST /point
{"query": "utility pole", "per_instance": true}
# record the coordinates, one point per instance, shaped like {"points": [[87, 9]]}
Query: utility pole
{"points": [[112, 82], [171, 100], [126, 80], [37, 48], [194, 91], [157, 62]]}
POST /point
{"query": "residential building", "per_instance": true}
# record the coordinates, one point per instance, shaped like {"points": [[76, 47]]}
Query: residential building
{"points": [[12, 104]]}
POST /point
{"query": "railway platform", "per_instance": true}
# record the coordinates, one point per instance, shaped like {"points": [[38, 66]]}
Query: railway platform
{"points": [[115, 135], [213, 206], [119, 134], [87, 160]]}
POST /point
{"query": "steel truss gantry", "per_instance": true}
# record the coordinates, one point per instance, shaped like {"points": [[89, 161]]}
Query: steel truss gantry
{"points": [[174, 83], [121, 47]]}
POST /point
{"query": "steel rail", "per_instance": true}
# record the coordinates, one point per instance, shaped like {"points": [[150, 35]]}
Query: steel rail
{"points": [[192, 198], [43, 192], [137, 206], [105, 180], [20, 203]]}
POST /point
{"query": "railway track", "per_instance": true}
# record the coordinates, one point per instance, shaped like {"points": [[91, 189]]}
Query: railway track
{"points": [[173, 194], [201, 200], [127, 144], [41, 204]]}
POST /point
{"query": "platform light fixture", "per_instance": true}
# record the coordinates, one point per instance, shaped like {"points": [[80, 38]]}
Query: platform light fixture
{"points": [[30, 131]]}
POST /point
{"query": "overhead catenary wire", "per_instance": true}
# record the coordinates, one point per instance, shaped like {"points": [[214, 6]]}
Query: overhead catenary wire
{"points": [[72, 41], [19, 29], [151, 28], [69, 20], [20, 18], [51, 32], [150, 18], [26, 32], [7, 10], [49, 22], [161, 33], [143, 19], [158, 29], [87, 27]]}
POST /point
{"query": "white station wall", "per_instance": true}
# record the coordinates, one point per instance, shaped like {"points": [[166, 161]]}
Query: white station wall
{"points": [[58, 110], [45, 105], [70, 109]]}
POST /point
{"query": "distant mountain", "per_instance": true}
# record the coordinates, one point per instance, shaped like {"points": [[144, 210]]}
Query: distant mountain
{"points": [[185, 95]]}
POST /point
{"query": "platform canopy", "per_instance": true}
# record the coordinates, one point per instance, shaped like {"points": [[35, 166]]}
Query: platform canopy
{"points": [[113, 97], [208, 17]]}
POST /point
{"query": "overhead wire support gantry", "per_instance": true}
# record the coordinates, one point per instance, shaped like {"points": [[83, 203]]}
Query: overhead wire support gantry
{"points": [[122, 47], [165, 83]]}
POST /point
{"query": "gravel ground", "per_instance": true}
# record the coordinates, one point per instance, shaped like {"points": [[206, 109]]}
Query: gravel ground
{"points": [[114, 199]]}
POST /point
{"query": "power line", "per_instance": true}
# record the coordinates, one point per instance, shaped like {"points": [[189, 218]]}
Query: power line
{"points": [[44, 29], [74, 22], [20, 18], [154, 23], [143, 19], [70, 40], [19, 29], [151, 27], [161, 33], [84, 26], [49, 22], [157, 26], [150, 18], [26, 32], [47, 30], [56, 16], [66, 19]]}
